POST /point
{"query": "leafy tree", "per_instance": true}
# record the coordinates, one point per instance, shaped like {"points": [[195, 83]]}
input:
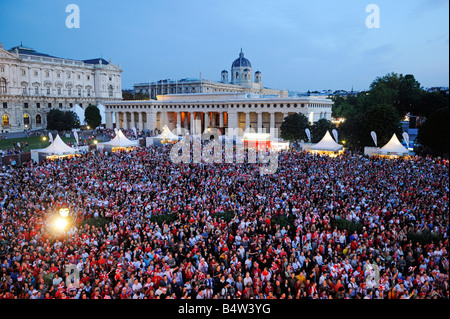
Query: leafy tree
{"points": [[92, 116], [401, 91], [62, 120], [319, 128], [293, 127], [434, 133], [384, 120]]}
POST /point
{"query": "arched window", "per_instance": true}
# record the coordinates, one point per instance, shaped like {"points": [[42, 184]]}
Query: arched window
{"points": [[5, 120], [38, 119], [110, 91], [3, 88], [26, 119]]}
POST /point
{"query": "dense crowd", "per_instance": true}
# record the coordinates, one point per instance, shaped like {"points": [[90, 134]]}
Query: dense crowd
{"points": [[224, 238]]}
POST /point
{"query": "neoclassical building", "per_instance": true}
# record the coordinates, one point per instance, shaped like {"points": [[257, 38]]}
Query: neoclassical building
{"points": [[197, 112], [242, 80], [32, 83]]}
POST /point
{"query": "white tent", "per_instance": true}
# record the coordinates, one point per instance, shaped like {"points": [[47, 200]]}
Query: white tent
{"points": [[101, 108], [393, 147], [56, 148], [120, 140], [166, 134], [80, 112], [327, 144]]}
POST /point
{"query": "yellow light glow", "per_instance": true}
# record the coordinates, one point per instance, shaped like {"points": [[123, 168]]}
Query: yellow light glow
{"points": [[64, 212], [95, 142], [44, 138], [60, 224]]}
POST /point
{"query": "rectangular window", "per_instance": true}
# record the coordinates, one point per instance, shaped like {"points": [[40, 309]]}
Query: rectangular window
{"points": [[49, 105], [24, 72], [69, 92], [48, 91], [79, 92], [35, 73], [25, 105], [24, 90], [60, 105], [38, 105], [5, 105], [59, 91]]}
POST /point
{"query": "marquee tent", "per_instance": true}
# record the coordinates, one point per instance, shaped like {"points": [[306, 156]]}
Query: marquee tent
{"points": [[166, 134], [327, 144], [393, 148], [56, 149], [120, 141]]}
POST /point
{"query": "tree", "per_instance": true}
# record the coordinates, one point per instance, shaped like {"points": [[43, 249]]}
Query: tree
{"points": [[401, 91], [384, 120], [319, 128], [293, 127], [62, 120], [434, 133], [92, 116]]}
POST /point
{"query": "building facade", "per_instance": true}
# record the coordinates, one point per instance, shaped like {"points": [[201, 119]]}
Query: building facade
{"points": [[242, 80], [200, 111], [32, 83]]}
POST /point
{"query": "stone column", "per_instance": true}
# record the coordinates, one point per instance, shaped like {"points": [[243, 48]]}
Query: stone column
{"points": [[207, 120], [132, 121], [259, 129], [178, 125], [192, 125], [272, 120], [247, 120], [186, 120], [125, 121], [151, 120], [108, 120], [220, 119], [140, 122]]}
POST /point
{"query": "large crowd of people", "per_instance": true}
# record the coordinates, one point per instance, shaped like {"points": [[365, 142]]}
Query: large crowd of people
{"points": [[225, 231]]}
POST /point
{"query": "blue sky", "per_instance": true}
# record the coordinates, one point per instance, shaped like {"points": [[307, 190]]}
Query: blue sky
{"points": [[296, 44]]}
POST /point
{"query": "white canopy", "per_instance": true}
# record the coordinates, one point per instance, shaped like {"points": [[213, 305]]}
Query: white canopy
{"points": [[327, 144], [167, 134], [57, 147], [80, 112], [101, 108], [393, 147], [120, 140]]}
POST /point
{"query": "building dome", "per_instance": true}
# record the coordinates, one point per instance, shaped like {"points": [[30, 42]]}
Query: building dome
{"points": [[241, 61]]}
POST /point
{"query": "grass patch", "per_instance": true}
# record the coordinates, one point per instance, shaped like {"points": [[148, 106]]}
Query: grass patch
{"points": [[34, 142], [350, 226], [99, 222], [283, 220], [424, 238]]}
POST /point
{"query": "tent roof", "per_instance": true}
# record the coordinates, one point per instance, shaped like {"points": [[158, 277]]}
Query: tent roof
{"points": [[393, 147], [327, 144], [167, 134], [57, 147], [120, 140]]}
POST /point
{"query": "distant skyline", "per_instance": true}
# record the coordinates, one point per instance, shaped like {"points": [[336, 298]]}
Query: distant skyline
{"points": [[297, 45]]}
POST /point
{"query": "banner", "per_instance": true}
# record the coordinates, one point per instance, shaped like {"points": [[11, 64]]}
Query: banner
{"points": [[50, 137], [308, 134], [335, 134], [135, 132], [406, 138], [374, 137]]}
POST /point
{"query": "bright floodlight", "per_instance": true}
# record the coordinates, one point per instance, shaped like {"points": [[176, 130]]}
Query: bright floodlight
{"points": [[64, 212], [60, 224]]}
